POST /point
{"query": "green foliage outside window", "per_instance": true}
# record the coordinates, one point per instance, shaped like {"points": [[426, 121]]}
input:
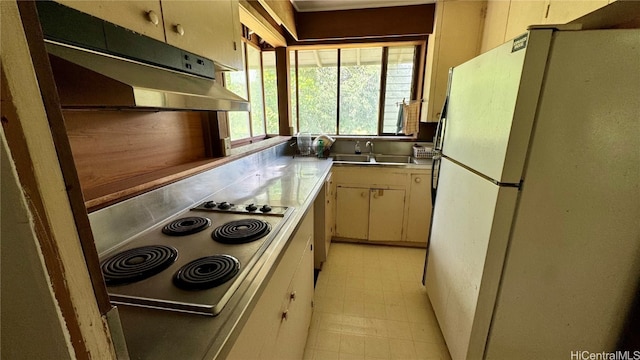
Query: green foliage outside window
{"points": [[270, 81], [319, 103]]}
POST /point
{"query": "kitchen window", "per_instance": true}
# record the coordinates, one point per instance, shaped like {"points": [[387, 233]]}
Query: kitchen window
{"points": [[353, 90], [270, 81], [258, 85]]}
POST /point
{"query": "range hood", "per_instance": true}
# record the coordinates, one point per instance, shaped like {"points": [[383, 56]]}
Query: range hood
{"points": [[97, 64], [90, 79]]}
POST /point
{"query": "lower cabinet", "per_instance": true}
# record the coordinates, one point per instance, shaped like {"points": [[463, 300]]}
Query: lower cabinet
{"points": [[419, 208], [352, 212], [324, 223], [369, 213], [278, 325], [382, 204], [386, 214]]}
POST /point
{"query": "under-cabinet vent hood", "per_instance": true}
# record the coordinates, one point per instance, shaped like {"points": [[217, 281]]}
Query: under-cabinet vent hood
{"points": [[91, 79]]}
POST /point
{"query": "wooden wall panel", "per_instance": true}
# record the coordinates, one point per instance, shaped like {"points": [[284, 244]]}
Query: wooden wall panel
{"points": [[256, 18], [109, 146], [282, 12], [366, 23]]}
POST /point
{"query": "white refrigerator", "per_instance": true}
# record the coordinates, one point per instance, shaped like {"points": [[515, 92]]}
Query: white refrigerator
{"points": [[534, 250]]}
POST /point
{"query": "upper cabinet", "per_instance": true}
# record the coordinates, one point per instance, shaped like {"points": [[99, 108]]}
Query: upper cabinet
{"points": [[208, 28], [504, 20], [563, 11], [456, 38], [143, 17], [522, 14], [464, 29]]}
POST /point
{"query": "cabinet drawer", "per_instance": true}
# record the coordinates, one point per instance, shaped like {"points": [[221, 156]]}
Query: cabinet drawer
{"points": [[259, 336], [370, 177]]}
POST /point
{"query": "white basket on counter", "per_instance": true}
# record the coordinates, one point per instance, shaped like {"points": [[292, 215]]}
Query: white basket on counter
{"points": [[421, 152]]}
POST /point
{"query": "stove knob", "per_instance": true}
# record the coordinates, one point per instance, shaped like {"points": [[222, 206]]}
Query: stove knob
{"points": [[251, 207], [210, 204], [265, 208], [224, 205]]}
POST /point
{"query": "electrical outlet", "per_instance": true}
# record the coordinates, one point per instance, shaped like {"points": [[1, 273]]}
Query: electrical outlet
{"points": [[226, 146]]}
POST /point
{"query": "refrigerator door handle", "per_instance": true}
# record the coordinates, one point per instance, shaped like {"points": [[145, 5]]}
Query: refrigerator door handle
{"points": [[435, 173], [438, 138]]}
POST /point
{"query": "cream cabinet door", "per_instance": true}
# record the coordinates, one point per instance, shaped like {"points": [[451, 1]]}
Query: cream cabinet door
{"points": [[419, 209], [352, 212], [143, 17], [563, 11], [330, 204], [259, 336], [456, 38], [522, 14], [386, 214], [495, 24], [292, 336], [206, 28]]}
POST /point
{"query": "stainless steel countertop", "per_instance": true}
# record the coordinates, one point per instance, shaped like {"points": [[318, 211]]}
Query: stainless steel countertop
{"points": [[161, 334]]}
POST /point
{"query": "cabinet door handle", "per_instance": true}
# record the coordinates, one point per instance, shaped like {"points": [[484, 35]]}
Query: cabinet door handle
{"points": [[418, 180], [178, 29], [377, 193], [292, 296], [285, 315], [153, 17], [363, 194]]}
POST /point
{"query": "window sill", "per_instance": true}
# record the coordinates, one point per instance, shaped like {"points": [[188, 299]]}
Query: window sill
{"points": [[395, 138]]}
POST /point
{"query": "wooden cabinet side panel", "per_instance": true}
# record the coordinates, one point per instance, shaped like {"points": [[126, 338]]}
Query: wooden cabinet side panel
{"points": [[330, 209], [320, 222], [419, 209]]}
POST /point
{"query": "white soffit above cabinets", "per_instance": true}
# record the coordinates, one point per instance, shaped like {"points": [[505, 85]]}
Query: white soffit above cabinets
{"points": [[329, 5]]}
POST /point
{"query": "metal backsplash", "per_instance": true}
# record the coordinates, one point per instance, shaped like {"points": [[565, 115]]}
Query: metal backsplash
{"points": [[346, 146], [120, 222]]}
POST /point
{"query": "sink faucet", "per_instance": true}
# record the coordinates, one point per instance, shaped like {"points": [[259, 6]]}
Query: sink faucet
{"points": [[369, 144]]}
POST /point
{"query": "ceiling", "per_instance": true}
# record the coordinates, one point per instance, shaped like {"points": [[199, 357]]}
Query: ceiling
{"points": [[327, 5]]}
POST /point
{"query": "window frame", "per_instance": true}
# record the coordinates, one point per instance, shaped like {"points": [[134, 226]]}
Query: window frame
{"points": [[418, 70], [251, 139]]}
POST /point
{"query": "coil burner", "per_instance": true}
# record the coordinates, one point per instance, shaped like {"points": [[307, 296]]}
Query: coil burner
{"points": [[241, 231], [207, 272], [186, 226], [137, 264]]}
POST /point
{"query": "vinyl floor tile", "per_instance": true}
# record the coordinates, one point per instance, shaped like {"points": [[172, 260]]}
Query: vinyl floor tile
{"points": [[370, 304]]}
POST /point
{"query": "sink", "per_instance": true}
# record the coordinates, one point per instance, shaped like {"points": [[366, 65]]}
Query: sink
{"points": [[351, 157], [400, 159]]}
